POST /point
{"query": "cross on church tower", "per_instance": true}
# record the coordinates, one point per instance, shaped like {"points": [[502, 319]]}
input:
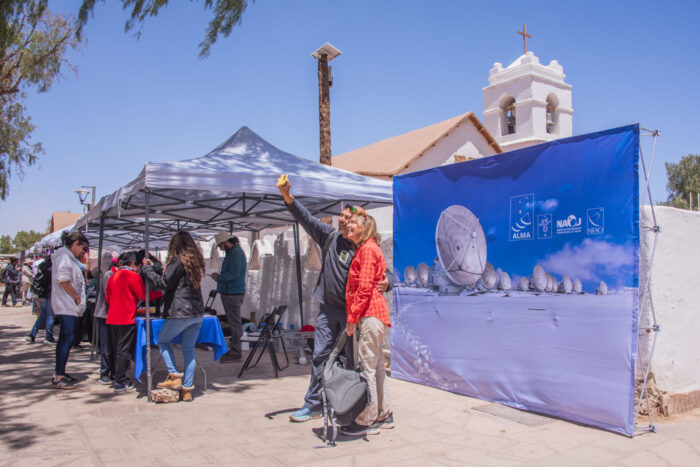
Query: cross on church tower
{"points": [[525, 36]]}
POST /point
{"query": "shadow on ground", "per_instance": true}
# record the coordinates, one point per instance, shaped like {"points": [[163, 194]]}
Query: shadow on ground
{"points": [[27, 370]]}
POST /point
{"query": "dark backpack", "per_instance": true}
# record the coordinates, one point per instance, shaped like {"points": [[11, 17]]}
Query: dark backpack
{"points": [[344, 391], [41, 284]]}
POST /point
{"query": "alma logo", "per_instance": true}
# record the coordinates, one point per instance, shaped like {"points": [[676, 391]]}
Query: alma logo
{"points": [[522, 215]]}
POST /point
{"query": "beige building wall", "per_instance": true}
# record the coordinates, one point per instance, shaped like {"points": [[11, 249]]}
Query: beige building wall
{"points": [[675, 297]]}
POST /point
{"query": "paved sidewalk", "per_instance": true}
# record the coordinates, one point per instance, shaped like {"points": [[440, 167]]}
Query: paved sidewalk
{"points": [[246, 422]]}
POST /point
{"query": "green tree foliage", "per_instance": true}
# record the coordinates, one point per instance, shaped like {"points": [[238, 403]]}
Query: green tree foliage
{"points": [[33, 45], [227, 14], [24, 239], [6, 244], [683, 179]]}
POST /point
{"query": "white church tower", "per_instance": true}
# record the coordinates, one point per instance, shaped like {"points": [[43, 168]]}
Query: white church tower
{"points": [[527, 103]]}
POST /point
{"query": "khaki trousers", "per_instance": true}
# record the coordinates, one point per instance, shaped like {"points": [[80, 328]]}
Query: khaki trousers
{"points": [[370, 353]]}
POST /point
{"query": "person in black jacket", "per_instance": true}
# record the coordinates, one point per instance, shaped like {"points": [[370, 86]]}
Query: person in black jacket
{"points": [[11, 276], [183, 310]]}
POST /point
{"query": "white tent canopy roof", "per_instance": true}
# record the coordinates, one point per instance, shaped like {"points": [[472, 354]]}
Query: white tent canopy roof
{"points": [[52, 240], [233, 188]]}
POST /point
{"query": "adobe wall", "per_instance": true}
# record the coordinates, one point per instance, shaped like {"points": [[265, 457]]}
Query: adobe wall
{"points": [[675, 297]]}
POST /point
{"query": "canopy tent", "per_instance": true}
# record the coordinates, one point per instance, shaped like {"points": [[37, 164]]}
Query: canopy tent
{"points": [[125, 239], [52, 240], [231, 188]]}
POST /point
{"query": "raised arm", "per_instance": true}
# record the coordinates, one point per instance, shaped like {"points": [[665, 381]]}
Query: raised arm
{"points": [[318, 230]]}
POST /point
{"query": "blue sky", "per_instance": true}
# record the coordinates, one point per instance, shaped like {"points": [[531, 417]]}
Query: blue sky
{"points": [[584, 186], [405, 65]]}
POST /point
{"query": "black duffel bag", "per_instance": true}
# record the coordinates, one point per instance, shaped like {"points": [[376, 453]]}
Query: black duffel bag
{"points": [[344, 391]]}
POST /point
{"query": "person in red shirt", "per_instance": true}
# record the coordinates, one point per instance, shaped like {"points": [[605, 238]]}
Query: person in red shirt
{"points": [[367, 312], [124, 291]]}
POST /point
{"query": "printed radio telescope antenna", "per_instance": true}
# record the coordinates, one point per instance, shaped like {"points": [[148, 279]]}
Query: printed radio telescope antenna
{"points": [[461, 245], [423, 272], [409, 275]]}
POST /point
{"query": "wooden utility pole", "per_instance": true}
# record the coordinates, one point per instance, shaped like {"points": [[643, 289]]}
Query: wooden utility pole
{"points": [[324, 55], [324, 110]]}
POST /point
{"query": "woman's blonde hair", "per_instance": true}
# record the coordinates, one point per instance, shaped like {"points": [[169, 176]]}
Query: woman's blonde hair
{"points": [[369, 228], [183, 245]]}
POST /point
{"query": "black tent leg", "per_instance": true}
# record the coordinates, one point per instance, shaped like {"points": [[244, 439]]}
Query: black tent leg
{"points": [[148, 308], [298, 263]]}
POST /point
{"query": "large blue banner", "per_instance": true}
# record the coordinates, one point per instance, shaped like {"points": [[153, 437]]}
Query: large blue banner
{"points": [[519, 278]]}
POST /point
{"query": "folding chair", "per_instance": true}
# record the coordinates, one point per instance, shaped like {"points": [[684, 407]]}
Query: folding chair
{"points": [[210, 303], [270, 324]]}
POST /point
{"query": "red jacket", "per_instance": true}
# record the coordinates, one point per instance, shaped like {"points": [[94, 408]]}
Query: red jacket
{"points": [[124, 290], [361, 295]]}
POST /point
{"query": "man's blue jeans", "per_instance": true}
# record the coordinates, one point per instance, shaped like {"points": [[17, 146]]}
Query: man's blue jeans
{"points": [[65, 341], [329, 324], [45, 319], [189, 328]]}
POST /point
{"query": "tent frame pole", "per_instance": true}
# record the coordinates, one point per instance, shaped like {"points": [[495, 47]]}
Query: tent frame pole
{"points": [[654, 326], [149, 381], [100, 244], [297, 258]]}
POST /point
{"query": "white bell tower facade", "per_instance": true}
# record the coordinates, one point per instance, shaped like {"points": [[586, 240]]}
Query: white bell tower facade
{"points": [[527, 103]]}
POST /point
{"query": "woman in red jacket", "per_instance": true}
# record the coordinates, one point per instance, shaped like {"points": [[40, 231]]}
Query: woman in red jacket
{"points": [[368, 313]]}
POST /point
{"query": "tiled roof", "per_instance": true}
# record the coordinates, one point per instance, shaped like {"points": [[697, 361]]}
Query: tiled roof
{"points": [[60, 220], [390, 156]]}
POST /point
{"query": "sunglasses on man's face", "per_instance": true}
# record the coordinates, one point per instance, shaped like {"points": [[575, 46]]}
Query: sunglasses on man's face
{"points": [[86, 248]]}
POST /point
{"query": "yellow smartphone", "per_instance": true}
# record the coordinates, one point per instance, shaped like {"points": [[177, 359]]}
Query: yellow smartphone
{"points": [[282, 180]]}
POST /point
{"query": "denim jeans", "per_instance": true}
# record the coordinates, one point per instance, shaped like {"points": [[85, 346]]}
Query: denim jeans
{"points": [[189, 328], [106, 358], [65, 341], [329, 324], [12, 291], [45, 319]]}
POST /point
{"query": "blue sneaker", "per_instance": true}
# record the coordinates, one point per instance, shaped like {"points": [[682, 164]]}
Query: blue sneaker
{"points": [[304, 414]]}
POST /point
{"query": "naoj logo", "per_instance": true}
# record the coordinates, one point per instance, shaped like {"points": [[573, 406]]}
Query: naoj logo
{"points": [[595, 221], [571, 224], [522, 214], [544, 226]]}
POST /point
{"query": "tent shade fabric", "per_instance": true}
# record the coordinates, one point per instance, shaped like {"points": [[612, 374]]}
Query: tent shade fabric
{"points": [[52, 240], [233, 187]]}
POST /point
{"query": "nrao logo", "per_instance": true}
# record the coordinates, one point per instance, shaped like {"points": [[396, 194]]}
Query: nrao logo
{"points": [[571, 224], [595, 221]]}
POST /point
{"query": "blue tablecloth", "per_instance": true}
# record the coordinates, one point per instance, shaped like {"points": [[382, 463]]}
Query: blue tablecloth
{"points": [[210, 333]]}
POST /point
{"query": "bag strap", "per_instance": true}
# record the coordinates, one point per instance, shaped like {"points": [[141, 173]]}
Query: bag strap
{"points": [[340, 343]]}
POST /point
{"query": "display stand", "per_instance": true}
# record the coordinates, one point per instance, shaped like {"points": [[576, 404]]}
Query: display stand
{"points": [[653, 326]]}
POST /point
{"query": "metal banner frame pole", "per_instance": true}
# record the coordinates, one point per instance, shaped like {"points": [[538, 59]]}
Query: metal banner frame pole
{"points": [[653, 327], [148, 305]]}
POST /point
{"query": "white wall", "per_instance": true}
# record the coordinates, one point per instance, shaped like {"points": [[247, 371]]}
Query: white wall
{"points": [[675, 296], [464, 140]]}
